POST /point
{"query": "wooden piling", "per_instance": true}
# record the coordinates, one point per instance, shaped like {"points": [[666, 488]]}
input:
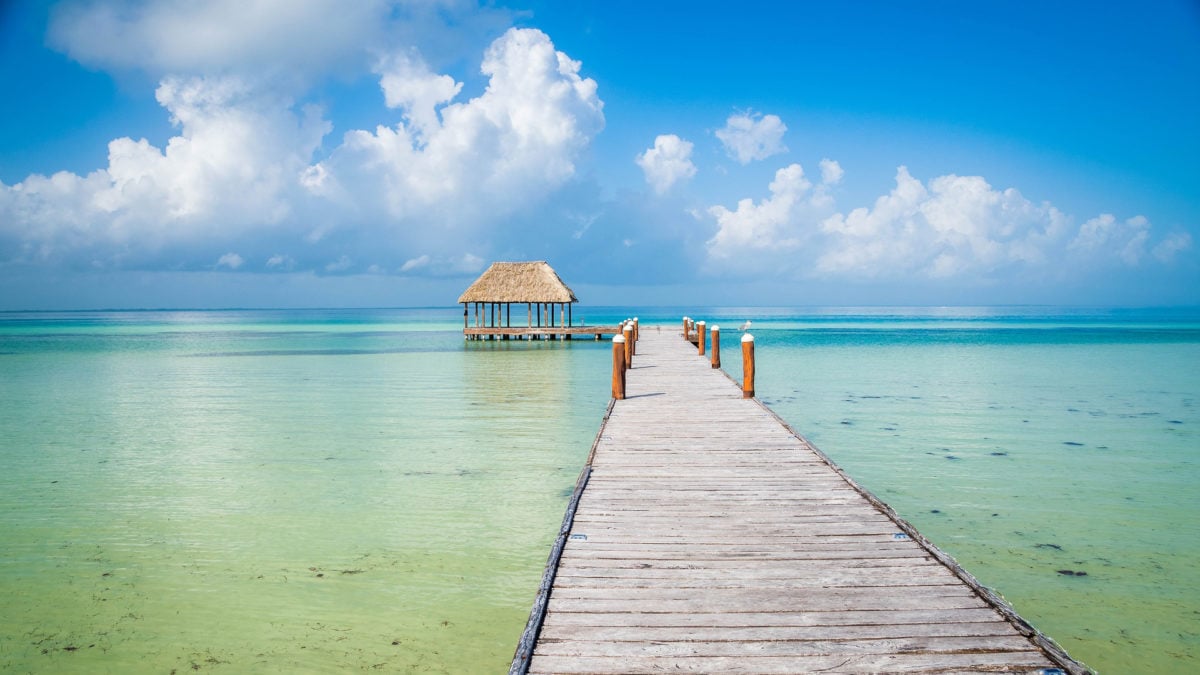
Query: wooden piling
{"points": [[716, 346], [627, 339], [618, 369], [700, 337], [685, 328], [747, 366]]}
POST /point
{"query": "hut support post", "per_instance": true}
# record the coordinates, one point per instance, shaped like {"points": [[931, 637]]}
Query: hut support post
{"points": [[747, 366]]}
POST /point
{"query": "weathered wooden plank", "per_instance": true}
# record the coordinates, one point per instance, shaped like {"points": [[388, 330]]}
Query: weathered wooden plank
{"points": [[750, 578], [765, 647], [1013, 662], [705, 553], [836, 617], [557, 632], [760, 597], [799, 602]]}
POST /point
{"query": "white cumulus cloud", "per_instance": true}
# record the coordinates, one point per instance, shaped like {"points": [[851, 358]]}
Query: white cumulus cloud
{"points": [[774, 224], [957, 224], [245, 172], [831, 172], [484, 157], [953, 227], [669, 161], [233, 165], [748, 136]]}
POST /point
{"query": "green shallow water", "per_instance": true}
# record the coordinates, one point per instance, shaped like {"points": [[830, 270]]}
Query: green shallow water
{"points": [[322, 491], [283, 500]]}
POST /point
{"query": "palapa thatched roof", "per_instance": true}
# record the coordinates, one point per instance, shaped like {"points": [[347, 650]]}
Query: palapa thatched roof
{"points": [[518, 282]]}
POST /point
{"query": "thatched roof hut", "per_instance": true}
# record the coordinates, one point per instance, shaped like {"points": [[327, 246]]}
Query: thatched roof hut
{"points": [[527, 282], [534, 284]]}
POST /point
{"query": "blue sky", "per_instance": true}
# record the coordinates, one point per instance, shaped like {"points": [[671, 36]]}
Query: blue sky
{"points": [[270, 153]]}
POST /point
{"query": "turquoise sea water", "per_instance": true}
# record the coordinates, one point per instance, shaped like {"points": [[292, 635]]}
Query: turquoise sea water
{"points": [[331, 490]]}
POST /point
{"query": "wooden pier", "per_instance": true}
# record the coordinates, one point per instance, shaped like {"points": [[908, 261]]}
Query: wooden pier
{"points": [[705, 535], [538, 332]]}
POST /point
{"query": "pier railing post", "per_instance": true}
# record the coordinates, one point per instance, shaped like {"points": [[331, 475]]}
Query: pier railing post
{"points": [[747, 366], [716, 346], [700, 337], [618, 371], [627, 340], [685, 320], [637, 329], [633, 339]]}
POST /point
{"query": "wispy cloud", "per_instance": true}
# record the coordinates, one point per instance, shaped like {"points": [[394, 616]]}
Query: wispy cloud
{"points": [[750, 136]]}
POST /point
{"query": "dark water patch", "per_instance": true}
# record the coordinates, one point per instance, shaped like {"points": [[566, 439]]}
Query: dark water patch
{"points": [[1073, 444], [847, 423], [887, 428], [953, 457], [935, 510], [1073, 573], [1174, 421], [1056, 547], [999, 454]]}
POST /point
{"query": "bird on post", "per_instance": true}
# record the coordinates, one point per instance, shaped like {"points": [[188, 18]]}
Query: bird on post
{"points": [[744, 327]]}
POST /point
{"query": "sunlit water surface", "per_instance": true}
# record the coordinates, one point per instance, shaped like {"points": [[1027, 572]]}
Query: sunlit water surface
{"points": [[348, 490]]}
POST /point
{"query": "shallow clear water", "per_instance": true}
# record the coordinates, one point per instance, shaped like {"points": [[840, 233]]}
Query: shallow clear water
{"points": [[208, 490], [334, 490]]}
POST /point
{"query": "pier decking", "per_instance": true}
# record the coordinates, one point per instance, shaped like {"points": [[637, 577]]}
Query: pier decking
{"points": [[538, 332], [705, 535]]}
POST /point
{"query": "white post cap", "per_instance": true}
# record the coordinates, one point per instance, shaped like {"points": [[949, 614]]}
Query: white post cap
{"points": [[716, 327], [619, 338], [747, 338], [700, 323]]}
